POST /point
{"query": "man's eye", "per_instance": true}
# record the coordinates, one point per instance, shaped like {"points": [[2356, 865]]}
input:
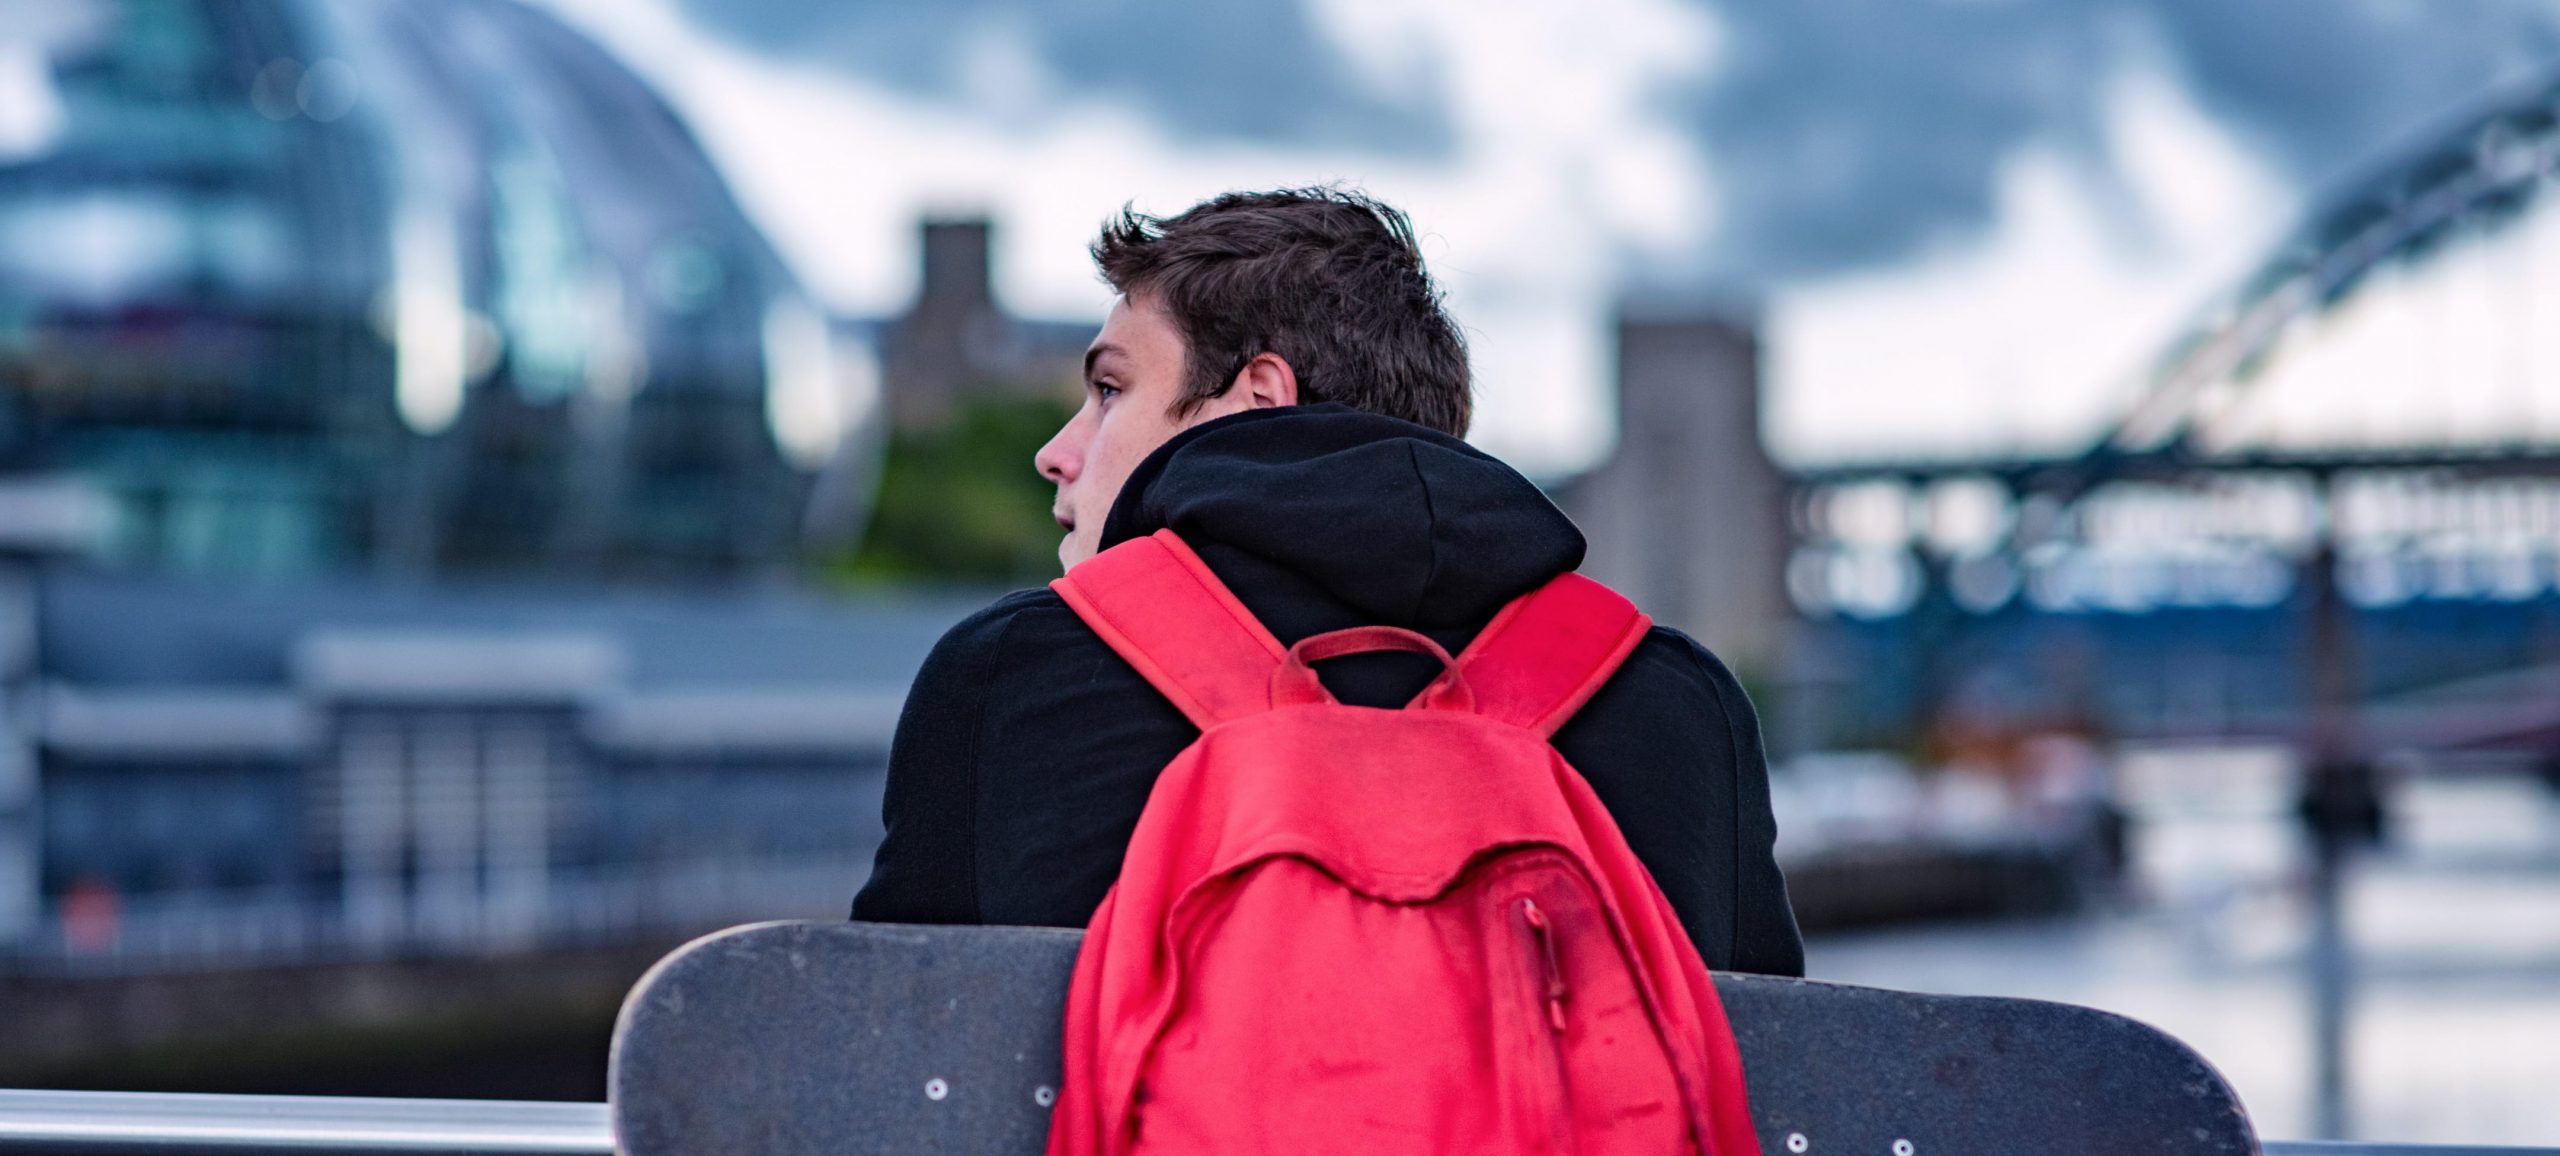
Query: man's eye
{"points": [[1103, 392]]}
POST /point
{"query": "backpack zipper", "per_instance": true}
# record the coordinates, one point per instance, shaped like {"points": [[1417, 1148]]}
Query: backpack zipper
{"points": [[1557, 993], [1553, 1095]]}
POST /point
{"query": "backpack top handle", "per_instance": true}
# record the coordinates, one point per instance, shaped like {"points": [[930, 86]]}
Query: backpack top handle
{"points": [[1295, 683]]}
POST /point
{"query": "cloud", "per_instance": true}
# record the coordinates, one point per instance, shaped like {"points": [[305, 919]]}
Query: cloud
{"points": [[1251, 71], [2324, 83], [1853, 134], [1950, 204], [2028, 338], [1850, 134], [1838, 134]]}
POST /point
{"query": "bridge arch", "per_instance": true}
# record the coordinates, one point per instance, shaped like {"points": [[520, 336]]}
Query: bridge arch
{"points": [[2416, 307]]}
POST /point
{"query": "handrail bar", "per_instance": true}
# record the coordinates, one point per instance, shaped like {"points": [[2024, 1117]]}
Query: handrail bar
{"points": [[44, 1121]]}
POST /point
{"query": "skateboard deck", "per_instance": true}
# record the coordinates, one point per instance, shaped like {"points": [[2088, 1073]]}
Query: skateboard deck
{"points": [[801, 1039]]}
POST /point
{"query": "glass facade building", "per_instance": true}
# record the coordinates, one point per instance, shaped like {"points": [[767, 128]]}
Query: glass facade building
{"points": [[415, 286], [338, 295]]}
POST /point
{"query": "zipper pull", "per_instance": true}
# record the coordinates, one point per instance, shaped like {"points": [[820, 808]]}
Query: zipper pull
{"points": [[1556, 990]]}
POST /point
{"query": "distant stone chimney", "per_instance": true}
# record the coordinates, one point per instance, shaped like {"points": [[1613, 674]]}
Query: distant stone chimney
{"points": [[955, 338], [1688, 517], [958, 269]]}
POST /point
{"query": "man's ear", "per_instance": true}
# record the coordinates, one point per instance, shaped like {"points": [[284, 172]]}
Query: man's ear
{"points": [[1265, 382]]}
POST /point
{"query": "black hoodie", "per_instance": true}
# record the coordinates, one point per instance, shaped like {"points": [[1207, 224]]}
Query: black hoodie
{"points": [[1027, 748]]}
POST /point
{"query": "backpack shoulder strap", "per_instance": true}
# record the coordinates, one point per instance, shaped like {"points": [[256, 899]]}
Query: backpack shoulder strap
{"points": [[1158, 607], [1549, 651]]}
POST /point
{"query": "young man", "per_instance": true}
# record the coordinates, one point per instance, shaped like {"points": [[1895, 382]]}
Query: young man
{"points": [[1279, 385]]}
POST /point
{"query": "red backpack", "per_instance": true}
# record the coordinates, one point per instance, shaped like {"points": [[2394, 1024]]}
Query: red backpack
{"points": [[1348, 930]]}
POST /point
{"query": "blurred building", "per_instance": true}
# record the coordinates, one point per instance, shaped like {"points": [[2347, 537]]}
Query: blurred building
{"points": [[417, 285], [357, 360], [317, 770]]}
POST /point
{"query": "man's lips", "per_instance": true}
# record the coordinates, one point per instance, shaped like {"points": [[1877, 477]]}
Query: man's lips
{"points": [[1065, 522]]}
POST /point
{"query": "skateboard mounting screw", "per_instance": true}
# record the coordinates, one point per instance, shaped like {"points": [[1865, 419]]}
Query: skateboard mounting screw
{"points": [[1902, 1148], [1797, 1143], [1044, 1095], [935, 1089]]}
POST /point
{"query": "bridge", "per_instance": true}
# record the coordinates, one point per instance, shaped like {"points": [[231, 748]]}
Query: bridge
{"points": [[2340, 487]]}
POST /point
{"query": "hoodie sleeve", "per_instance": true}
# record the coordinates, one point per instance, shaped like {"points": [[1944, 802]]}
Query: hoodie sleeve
{"points": [[1024, 754], [1766, 939], [926, 868], [1672, 747]]}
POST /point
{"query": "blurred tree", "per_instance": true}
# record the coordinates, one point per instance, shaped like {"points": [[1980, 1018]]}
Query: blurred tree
{"points": [[960, 502]]}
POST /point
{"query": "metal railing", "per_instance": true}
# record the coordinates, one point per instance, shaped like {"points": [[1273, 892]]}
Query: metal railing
{"points": [[50, 1123], [68, 1122]]}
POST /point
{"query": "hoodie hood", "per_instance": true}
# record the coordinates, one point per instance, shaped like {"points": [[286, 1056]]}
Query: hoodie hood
{"points": [[1323, 516]]}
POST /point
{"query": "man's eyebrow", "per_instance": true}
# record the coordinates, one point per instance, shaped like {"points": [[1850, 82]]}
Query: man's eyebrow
{"points": [[1095, 353]]}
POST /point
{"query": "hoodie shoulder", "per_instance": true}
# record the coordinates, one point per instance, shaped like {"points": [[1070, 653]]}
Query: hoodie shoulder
{"points": [[1694, 654], [1021, 640], [988, 624], [975, 648]]}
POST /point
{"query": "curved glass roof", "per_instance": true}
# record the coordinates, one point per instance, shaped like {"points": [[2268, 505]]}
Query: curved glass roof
{"points": [[426, 283]]}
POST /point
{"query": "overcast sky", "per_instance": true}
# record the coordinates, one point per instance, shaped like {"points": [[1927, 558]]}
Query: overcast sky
{"points": [[1967, 222]]}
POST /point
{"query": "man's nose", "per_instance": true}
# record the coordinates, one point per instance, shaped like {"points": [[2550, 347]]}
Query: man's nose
{"points": [[1059, 460]]}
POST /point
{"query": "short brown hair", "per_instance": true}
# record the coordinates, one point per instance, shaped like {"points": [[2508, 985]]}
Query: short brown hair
{"points": [[1329, 280]]}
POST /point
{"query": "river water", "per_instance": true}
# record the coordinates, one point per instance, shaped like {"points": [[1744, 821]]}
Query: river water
{"points": [[2454, 1023]]}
